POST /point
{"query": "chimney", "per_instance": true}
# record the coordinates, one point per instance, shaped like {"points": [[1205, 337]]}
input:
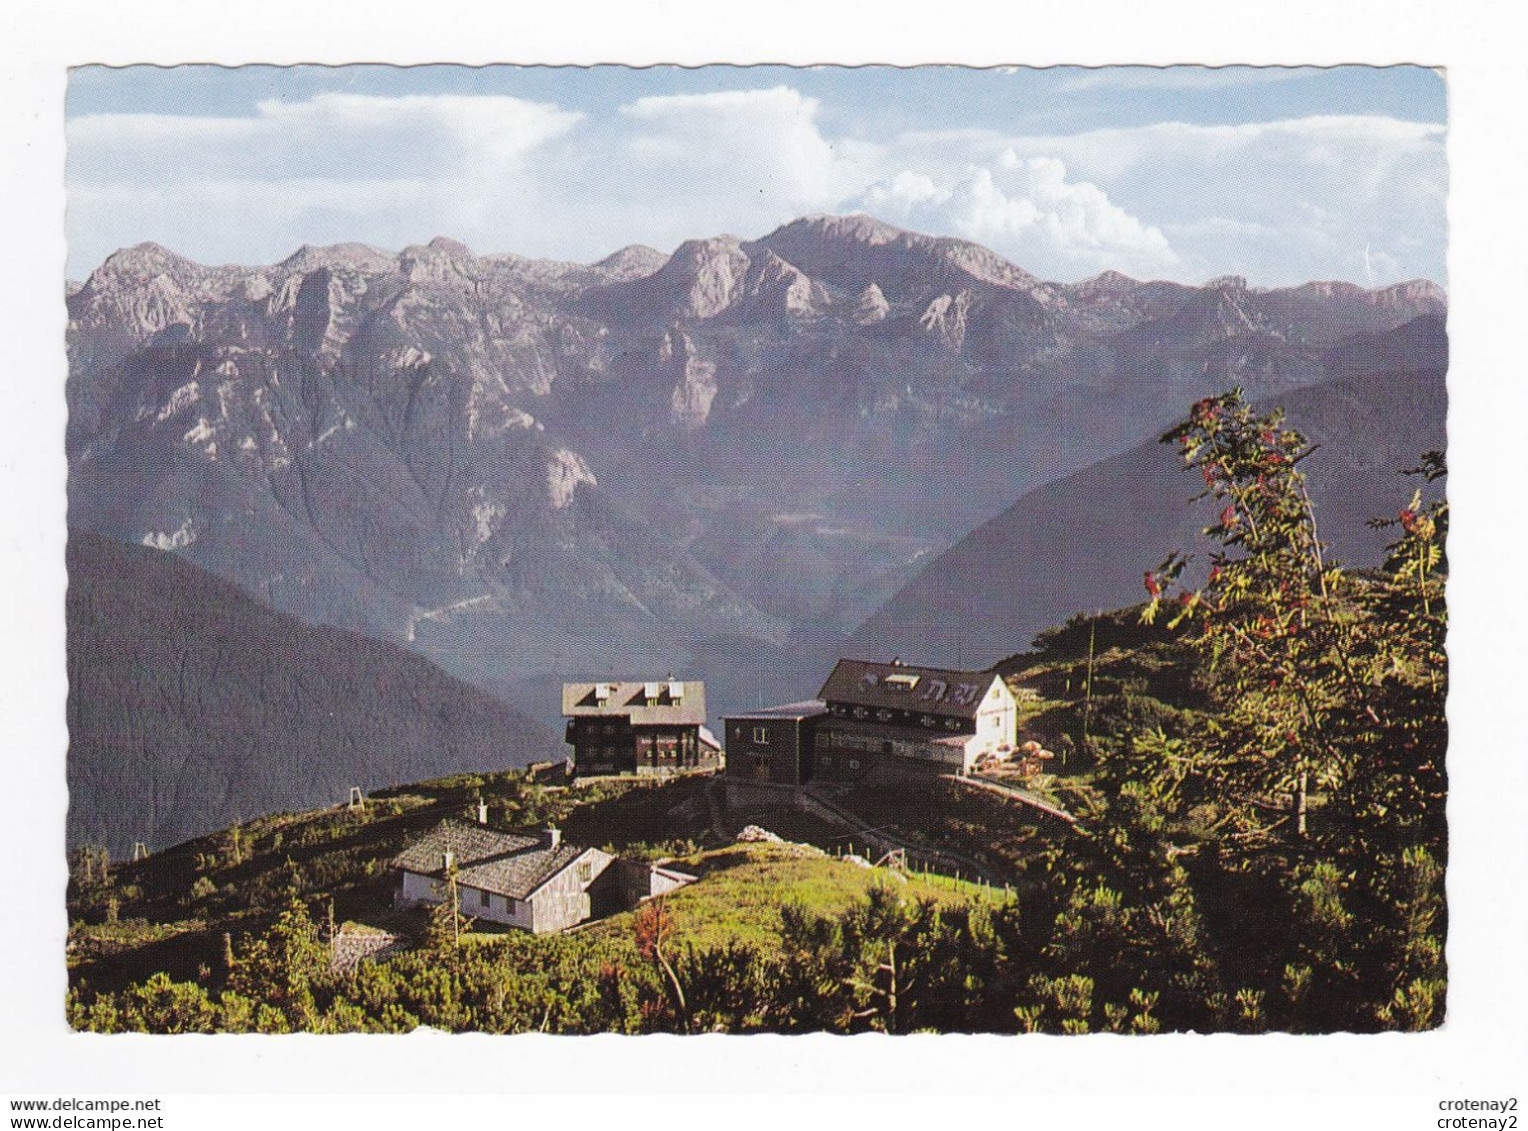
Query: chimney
{"points": [[482, 811], [553, 836]]}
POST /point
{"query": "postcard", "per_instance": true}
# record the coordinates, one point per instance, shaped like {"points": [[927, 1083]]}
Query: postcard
{"points": [[757, 549]]}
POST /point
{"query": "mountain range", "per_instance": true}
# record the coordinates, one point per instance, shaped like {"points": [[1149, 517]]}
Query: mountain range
{"points": [[720, 462]]}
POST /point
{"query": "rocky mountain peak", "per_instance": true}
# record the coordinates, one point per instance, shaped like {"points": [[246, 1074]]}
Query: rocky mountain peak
{"points": [[352, 256], [634, 261], [453, 248], [856, 250], [859, 227], [1423, 292], [439, 261], [146, 260], [1107, 282], [1227, 283], [700, 280]]}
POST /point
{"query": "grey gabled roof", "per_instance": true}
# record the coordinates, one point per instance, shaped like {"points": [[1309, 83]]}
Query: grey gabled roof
{"points": [[808, 709], [628, 698], [509, 864], [934, 691]]}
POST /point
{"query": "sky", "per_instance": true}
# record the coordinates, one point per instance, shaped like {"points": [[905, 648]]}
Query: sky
{"points": [[1282, 175]]}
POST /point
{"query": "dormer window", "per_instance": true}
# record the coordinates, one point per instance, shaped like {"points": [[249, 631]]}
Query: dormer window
{"points": [[602, 693], [650, 693], [900, 681], [676, 692]]}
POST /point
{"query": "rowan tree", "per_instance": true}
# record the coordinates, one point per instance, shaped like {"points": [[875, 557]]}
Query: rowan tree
{"points": [[1289, 635]]}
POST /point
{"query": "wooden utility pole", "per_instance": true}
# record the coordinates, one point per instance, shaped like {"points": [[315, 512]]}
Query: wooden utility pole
{"points": [[451, 904], [1087, 700]]}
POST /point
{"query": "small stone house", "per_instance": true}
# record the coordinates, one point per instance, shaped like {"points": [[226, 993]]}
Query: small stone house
{"points": [[536, 883]]}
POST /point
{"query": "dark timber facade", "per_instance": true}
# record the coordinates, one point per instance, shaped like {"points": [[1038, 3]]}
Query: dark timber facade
{"points": [[652, 727], [773, 744]]}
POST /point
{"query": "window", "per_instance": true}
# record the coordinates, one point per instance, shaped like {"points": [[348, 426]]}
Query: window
{"points": [[761, 736], [585, 871], [482, 898]]}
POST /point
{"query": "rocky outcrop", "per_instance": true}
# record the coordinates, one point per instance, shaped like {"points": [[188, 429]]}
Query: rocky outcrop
{"points": [[870, 306], [694, 380]]}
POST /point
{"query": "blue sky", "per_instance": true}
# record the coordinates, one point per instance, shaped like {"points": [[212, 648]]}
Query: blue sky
{"points": [[1278, 174]]}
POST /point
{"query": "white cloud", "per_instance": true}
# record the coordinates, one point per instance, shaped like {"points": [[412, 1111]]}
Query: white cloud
{"points": [[1279, 201], [742, 161], [334, 167], [1029, 209]]}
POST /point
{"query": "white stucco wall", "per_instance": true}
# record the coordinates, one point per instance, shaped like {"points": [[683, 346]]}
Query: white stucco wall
{"points": [[560, 903], [417, 889], [997, 722]]}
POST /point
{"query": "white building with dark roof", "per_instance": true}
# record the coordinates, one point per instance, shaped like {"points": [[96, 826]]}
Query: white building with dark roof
{"points": [[877, 722], [904, 719], [537, 883]]}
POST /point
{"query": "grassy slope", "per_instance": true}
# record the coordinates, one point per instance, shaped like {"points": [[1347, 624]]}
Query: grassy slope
{"points": [[172, 909], [742, 888]]}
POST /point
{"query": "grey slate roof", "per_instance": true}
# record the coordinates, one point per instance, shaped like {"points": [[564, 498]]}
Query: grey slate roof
{"points": [[504, 863], [934, 691], [808, 709], [628, 698]]}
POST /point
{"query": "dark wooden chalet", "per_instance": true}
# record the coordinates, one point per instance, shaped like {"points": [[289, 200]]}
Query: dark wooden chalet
{"points": [[773, 744], [645, 727]]}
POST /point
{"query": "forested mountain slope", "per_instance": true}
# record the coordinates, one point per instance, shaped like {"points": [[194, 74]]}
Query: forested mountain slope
{"points": [[1083, 543], [192, 706]]}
